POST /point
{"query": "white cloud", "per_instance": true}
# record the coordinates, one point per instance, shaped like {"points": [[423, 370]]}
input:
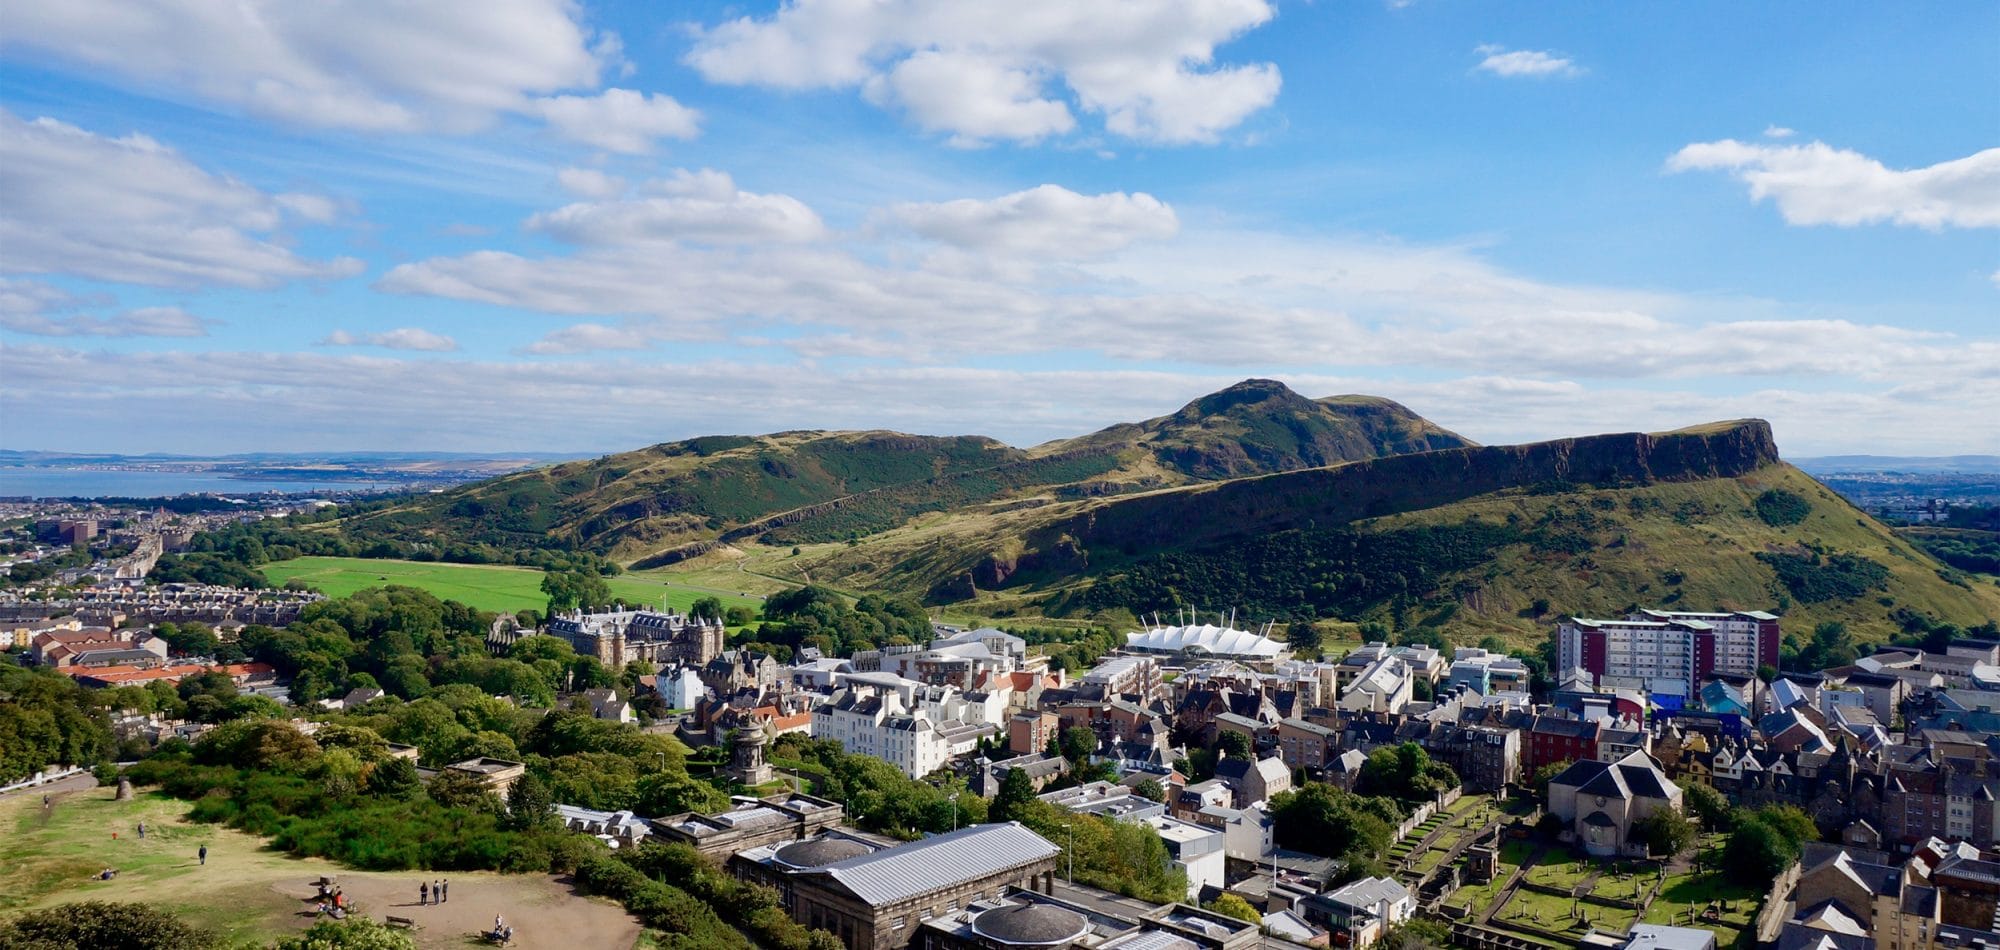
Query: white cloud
{"points": [[619, 120], [974, 97], [704, 206], [1778, 132], [132, 210], [1532, 63], [997, 71], [373, 65], [590, 183], [589, 337], [401, 338], [1045, 221], [145, 321], [1819, 184], [388, 402]]}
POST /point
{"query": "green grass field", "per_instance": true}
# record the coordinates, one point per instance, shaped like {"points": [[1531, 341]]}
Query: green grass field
{"points": [[485, 586]]}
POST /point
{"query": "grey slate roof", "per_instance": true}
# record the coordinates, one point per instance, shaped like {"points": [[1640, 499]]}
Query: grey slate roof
{"points": [[900, 873]]}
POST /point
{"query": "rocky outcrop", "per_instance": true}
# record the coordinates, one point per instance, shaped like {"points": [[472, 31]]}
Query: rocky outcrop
{"points": [[1213, 514]]}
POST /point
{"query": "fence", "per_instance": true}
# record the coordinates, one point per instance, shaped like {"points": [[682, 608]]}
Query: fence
{"points": [[1426, 810], [41, 778]]}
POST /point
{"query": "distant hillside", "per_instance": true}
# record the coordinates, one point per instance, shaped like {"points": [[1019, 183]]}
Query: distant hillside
{"points": [[1468, 538], [1853, 464], [678, 499], [1259, 426]]}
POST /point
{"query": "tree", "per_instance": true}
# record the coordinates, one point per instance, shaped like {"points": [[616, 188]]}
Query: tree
{"points": [[569, 590], [1706, 804], [95, 924], [709, 608], [455, 789], [1757, 853], [354, 933], [397, 778], [1078, 743], [1666, 832], [1546, 773], [1151, 790], [1230, 905], [1404, 772], [1304, 636], [1016, 790], [529, 804], [1320, 819], [1233, 745]]}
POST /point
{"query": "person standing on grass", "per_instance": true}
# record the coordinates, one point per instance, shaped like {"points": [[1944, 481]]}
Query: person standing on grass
{"points": [[142, 831], [203, 854]]}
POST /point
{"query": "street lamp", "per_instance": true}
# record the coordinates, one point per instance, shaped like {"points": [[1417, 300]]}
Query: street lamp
{"points": [[954, 811]]}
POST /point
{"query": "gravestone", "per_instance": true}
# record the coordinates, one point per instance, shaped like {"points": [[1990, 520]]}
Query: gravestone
{"points": [[124, 790]]}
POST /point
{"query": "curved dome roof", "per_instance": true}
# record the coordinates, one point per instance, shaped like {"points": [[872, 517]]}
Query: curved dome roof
{"points": [[819, 852], [1030, 925], [1207, 638]]}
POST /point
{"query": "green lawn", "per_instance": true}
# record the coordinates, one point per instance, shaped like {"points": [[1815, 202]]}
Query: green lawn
{"points": [[485, 586], [1694, 891], [1561, 869]]}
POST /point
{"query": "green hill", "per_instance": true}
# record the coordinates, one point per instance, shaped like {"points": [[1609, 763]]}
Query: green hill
{"points": [[1255, 498], [668, 501], [1468, 539]]}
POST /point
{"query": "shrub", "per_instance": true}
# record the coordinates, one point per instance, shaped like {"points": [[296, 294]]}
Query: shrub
{"points": [[91, 925], [1780, 508]]}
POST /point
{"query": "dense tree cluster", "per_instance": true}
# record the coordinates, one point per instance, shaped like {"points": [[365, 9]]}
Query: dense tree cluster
{"points": [[45, 720], [1405, 772], [1318, 818], [1765, 841], [816, 616]]}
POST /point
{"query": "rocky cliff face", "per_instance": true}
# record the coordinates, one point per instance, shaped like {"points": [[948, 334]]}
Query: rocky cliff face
{"points": [[1246, 507]]}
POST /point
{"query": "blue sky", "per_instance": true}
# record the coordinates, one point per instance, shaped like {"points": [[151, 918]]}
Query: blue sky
{"points": [[539, 225]]}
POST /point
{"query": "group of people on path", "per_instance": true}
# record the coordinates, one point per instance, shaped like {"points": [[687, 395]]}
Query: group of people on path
{"points": [[433, 892]]}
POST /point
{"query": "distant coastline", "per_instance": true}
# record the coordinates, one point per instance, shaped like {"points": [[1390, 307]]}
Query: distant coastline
{"points": [[46, 481]]}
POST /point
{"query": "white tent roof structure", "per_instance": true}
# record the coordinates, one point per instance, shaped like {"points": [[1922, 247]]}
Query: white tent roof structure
{"points": [[1204, 639]]}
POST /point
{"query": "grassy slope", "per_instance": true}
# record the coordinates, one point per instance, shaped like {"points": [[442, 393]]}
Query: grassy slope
{"points": [[1715, 549], [487, 587], [53, 861], [804, 487]]}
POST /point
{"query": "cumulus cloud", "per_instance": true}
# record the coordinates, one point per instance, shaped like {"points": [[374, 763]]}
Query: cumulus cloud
{"points": [[132, 210], [372, 65], [1530, 63], [1044, 221], [1014, 72], [619, 120], [401, 338], [704, 206], [1819, 184], [1778, 132]]}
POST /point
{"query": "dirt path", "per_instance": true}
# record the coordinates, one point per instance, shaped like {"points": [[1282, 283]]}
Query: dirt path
{"points": [[545, 914]]}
